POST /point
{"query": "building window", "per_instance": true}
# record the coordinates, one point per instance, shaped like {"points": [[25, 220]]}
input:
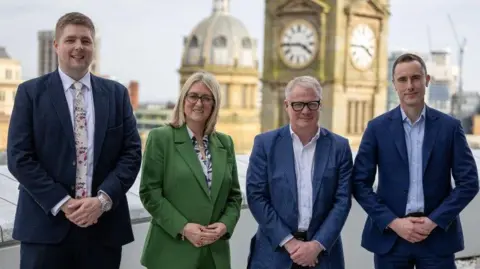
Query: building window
{"points": [[245, 96], [193, 55], [246, 54], [8, 74], [357, 116], [246, 43], [2, 96], [194, 42], [220, 42], [224, 95], [220, 51]]}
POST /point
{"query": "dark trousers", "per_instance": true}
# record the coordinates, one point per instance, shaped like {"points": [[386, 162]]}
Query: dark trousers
{"points": [[296, 266], [406, 255], [79, 250]]}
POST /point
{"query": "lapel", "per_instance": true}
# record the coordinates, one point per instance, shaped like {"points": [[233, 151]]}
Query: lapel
{"points": [[55, 89], [184, 146], [101, 108], [431, 131], [287, 160], [219, 163], [398, 133], [322, 155]]}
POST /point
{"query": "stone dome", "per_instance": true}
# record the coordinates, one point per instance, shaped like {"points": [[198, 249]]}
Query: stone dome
{"points": [[220, 39]]}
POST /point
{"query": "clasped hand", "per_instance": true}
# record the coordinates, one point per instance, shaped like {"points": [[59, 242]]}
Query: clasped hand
{"points": [[413, 229], [83, 212], [303, 253], [200, 235]]}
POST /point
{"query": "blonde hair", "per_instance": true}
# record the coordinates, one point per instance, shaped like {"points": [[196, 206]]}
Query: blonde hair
{"points": [[178, 117]]}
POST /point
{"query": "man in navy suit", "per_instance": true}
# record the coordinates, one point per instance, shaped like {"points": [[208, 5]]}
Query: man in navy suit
{"points": [[413, 217], [298, 187], [74, 148]]}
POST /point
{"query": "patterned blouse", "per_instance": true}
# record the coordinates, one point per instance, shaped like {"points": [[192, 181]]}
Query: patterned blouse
{"points": [[206, 163]]}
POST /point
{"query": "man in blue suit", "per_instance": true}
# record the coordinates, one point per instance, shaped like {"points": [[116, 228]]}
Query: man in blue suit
{"points": [[74, 148], [413, 217], [298, 187]]}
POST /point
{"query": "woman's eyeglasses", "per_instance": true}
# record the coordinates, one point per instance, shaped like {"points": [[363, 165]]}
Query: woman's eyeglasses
{"points": [[206, 99]]}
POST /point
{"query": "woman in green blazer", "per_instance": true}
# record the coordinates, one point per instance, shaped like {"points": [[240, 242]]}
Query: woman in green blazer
{"points": [[189, 184]]}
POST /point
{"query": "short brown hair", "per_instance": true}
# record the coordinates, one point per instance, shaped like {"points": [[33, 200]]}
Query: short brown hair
{"points": [[75, 18], [406, 58]]}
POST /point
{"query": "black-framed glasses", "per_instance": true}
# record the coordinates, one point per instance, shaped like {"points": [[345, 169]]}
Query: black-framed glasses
{"points": [[312, 105], [206, 99]]}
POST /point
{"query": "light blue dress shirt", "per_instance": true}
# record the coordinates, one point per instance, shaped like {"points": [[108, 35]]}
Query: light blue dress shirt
{"points": [[414, 135]]}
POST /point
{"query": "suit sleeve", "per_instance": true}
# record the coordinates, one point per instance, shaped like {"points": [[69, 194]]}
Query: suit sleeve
{"points": [[151, 187], [258, 196], [234, 201], [22, 159], [120, 179], [364, 170], [465, 175], [331, 228]]}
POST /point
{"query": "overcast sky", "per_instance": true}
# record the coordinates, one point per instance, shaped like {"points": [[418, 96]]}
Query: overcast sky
{"points": [[142, 39]]}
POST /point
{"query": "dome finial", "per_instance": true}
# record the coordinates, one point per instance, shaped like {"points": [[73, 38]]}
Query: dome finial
{"points": [[221, 6]]}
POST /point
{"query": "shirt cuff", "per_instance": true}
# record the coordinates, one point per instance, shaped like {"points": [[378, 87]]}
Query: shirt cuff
{"points": [[104, 193], [321, 246], [58, 206], [284, 241]]}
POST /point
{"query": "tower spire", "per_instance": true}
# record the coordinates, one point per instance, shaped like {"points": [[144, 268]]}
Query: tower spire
{"points": [[221, 6]]}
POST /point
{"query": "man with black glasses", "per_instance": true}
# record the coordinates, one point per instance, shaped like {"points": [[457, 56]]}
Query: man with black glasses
{"points": [[298, 187]]}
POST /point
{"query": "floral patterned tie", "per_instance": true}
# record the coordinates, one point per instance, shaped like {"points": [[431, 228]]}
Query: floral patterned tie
{"points": [[81, 140]]}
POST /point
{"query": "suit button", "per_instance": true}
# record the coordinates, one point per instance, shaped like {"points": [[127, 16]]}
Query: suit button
{"points": [[405, 191], [72, 187], [73, 163]]}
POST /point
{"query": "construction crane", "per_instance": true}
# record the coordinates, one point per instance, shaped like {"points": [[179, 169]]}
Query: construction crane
{"points": [[429, 36], [458, 101]]}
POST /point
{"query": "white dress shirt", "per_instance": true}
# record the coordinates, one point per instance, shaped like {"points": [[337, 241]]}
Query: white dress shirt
{"points": [[67, 83], [304, 164]]}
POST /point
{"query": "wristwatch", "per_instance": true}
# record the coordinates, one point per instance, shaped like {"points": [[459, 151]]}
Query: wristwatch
{"points": [[106, 203]]}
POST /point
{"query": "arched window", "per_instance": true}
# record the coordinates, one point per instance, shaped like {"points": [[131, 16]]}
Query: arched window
{"points": [[246, 43], [193, 42], [193, 53], [220, 51], [220, 42], [246, 54]]}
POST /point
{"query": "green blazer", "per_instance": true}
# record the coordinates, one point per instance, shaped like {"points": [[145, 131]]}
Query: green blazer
{"points": [[174, 191]]}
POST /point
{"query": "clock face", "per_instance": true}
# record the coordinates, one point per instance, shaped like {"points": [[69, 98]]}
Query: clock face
{"points": [[362, 46], [298, 44]]}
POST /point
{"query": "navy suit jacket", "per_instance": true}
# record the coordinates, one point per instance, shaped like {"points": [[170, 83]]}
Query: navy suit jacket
{"points": [[272, 197], [41, 156], [445, 153]]}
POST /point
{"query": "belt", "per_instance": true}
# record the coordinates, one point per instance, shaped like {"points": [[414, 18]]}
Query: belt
{"points": [[415, 215], [300, 235]]}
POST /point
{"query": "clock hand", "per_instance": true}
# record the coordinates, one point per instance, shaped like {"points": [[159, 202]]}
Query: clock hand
{"points": [[368, 51], [306, 49], [364, 48], [297, 45]]}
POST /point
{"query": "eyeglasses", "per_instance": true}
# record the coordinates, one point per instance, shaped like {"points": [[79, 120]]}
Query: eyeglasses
{"points": [[298, 106], [206, 99]]}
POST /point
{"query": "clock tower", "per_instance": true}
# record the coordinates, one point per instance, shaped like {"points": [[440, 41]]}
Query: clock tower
{"points": [[343, 43]]}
